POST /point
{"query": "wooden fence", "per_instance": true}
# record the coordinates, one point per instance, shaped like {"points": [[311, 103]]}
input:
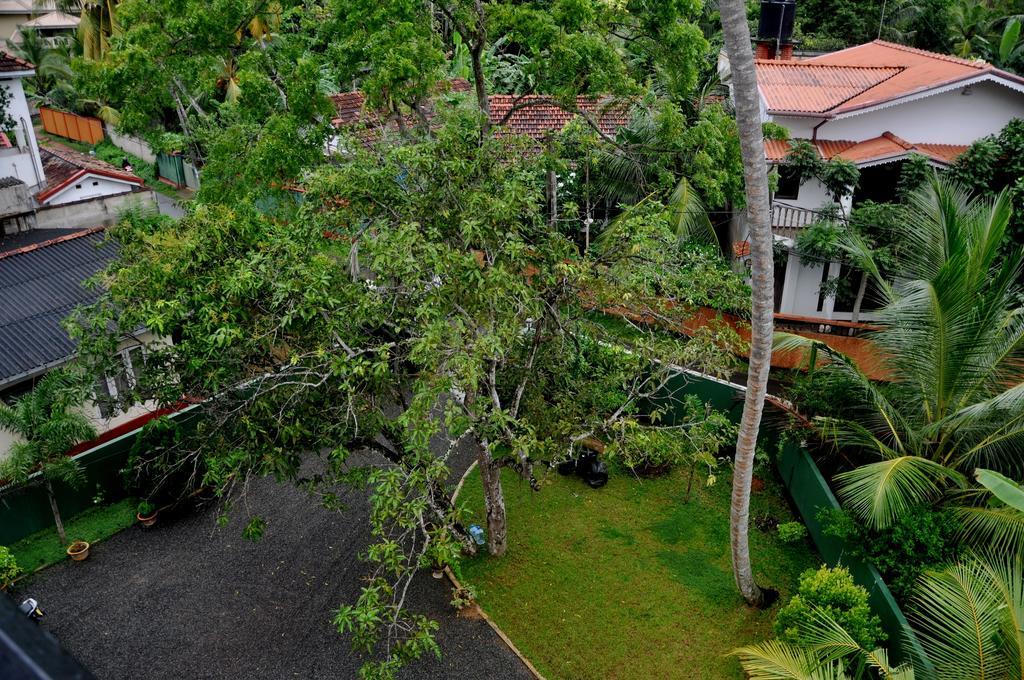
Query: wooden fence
{"points": [[71, 126]]}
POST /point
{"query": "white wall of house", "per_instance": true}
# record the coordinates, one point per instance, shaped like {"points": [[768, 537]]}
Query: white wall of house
{"points": [[22, 161], [90, 186], [946, 118]]}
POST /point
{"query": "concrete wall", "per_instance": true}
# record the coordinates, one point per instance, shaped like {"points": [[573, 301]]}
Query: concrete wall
{"points": [[948, 118], [94, 212], [133, 145], [89, 187]]}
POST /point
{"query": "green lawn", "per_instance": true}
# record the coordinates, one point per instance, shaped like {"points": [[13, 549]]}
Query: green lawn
{"points": [[628, 581], [43, 548]]}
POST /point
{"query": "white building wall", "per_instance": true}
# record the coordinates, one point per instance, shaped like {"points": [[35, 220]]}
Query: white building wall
{"points": [[90, 186], [23, 161], [947, 118]]}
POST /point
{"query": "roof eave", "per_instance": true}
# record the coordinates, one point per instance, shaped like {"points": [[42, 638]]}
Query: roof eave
{"points": [[929, 90]]}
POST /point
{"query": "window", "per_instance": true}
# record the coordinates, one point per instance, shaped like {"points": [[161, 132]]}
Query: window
{"points": [[78, 186], [789, 183], [95, 184], [110, 388]]}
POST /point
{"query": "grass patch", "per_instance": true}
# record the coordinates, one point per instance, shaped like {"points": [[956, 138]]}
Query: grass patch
{"points": [[43, 548], [628, 581]]}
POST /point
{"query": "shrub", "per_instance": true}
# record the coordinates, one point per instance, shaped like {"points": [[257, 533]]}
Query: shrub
{"points": [[833, 592], [921, 539], [792, 532], [8, 567]]}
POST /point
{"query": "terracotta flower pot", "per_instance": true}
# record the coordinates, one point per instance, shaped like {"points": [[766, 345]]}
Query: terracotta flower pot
{"points": [[78, 550], [147, 520]]}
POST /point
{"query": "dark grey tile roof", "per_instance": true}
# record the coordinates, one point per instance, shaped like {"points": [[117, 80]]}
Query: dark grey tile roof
{"points": [[31, 237], [39, 286]]}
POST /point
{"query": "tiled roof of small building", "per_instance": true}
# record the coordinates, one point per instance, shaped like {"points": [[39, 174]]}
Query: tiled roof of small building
{"points": [[63, 166], [535, 116], [10, 63], [40, 285], [886, 146], [863, 76]]}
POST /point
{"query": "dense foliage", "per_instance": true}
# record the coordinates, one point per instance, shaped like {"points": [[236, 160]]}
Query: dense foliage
{"points": [[416, 289], [921, 539], [832, 592]]}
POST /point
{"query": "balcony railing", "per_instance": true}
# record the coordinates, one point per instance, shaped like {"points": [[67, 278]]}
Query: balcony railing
{"points": [[788, 220]]}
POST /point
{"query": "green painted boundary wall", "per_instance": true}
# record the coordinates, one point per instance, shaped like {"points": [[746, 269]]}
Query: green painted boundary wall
{"points": [[26, 510], [810, 493]]}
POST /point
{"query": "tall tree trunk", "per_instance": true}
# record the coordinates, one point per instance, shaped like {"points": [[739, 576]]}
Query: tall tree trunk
{"points": [[859, 302], [56, 513], [755, 175], [494, 500]]}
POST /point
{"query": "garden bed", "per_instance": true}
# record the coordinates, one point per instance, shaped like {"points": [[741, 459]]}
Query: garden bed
{"points": [[628, 581]]}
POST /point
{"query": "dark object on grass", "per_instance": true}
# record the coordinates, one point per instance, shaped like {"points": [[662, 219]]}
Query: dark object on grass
{"points": [[587, 466]]}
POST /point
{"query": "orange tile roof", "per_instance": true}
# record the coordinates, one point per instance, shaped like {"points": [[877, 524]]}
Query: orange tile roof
{"points": [[539, 115], [811, 88], [885, 147], [862, 76]]}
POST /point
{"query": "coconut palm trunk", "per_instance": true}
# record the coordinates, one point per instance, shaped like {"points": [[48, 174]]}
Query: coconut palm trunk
{"points": [[755, 175]]}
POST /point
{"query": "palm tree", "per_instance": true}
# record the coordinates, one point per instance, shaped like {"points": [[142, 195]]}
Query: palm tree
{"points": [[969, 618], [831, 653], [99, 24], [952, 340], [47, 425], [755, 175], [53, 63]]}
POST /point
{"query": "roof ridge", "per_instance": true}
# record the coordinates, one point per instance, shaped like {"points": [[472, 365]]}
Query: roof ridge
{"points": [[53, 241], [896, 139], [979, 64], [814, 64]]}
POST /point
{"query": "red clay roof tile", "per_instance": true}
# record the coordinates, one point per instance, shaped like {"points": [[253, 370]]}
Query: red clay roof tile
{"points": [[850, 79]]}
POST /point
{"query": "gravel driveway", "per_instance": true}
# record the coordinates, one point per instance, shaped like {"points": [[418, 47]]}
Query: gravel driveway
{"points": [[187, 600]]}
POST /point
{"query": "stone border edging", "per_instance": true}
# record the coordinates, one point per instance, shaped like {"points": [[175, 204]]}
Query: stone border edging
{"points": [[490, 622]]}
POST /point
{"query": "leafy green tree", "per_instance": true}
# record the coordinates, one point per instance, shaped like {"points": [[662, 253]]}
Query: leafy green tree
{"points": [[994, 164], [951, 340], [417, 289], [47, 424]]}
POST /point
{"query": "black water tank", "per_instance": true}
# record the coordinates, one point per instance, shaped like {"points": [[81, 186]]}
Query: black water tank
{"points": [[777, 17]]}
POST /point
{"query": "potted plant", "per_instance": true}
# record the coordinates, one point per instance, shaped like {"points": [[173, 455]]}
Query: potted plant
{"points": [[8, 568], [146, 514], [78, 550]]}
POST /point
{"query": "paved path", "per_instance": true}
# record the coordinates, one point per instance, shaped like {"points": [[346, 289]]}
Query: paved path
{"points": [[188, 600], [168, 206]]}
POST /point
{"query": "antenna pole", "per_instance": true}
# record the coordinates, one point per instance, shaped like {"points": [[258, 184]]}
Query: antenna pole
{"points": [[881, 20]]}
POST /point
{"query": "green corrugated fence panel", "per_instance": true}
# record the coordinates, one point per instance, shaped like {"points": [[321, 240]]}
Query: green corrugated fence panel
{"points": [[171, 168], [27, 510]]}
